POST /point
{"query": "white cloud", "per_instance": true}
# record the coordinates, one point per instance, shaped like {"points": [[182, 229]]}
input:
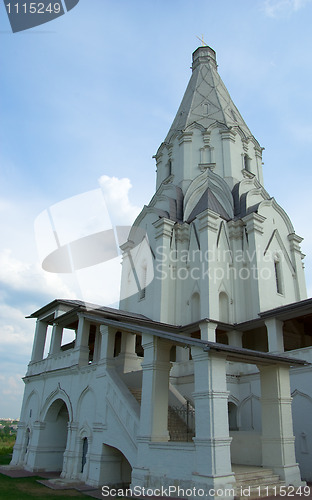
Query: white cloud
{"points": [[12, 386], [25, 286], [15, 331], [11, 392], [29, 277], [116, 194], [277, 8]]}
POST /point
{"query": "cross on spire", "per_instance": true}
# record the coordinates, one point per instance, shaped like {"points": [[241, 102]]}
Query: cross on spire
{"points": [[204, 44]]}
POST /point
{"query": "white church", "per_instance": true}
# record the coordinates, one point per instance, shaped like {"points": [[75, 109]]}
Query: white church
{"points": [[202, 378]]}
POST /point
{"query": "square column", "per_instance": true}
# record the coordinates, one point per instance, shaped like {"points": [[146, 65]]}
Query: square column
{"points": [[82, 341], [212, 440], [208, 330], [56, 339], [127, 360], [39, 341], [106, 349], [278, 442], [97, 344], [155, 389], [275, 335], [235, 338]]}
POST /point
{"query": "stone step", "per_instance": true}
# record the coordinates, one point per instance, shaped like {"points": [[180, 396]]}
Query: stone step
{"points": [[267, 479], [137, 393], [256, 483], [250, 470]]}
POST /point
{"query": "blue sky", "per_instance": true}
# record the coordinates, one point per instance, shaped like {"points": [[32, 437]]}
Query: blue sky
{"points": [[93, 93]]}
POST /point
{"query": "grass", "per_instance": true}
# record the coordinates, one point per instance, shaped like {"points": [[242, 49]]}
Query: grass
{"points": [[27, 488], [6, 444]]}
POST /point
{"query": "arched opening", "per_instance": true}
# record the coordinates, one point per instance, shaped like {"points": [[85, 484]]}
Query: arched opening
{"points": [[173, 353], [223, 307], [115, 468], [195, 307], [53, 437], [85, 446], [232, 414], [117, 344], [169, 167]]}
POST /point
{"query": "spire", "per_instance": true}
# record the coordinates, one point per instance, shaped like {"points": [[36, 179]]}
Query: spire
{"points": [[206, 99]]}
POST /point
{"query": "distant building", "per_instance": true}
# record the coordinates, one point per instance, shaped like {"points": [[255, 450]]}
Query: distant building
{"points": [[188, 382]]}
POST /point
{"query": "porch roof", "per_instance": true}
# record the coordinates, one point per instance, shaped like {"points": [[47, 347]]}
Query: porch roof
{"points": [[241, 355], [181, 335]]}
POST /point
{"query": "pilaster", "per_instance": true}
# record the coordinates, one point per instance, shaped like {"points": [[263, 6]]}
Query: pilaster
{"points": [[236, 236], [208, 231], [297, 259], [163, 276], [228, 140], [254, 260], [185, 145]]}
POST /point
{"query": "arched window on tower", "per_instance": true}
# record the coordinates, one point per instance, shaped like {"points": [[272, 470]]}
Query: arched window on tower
{"points": [[206, 108], [278, 275], [169, 167], [247, 163], [143, 280]]}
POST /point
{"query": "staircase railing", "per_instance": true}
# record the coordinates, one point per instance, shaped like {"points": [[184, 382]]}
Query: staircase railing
{"points": [[185, 418]]}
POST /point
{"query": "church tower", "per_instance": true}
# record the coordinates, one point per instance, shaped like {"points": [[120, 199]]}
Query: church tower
{"points": [[212, 243]]}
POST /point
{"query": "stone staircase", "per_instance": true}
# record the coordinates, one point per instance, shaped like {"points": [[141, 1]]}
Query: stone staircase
{"points": [[255, 482], [178, 430], [137, 393]]}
